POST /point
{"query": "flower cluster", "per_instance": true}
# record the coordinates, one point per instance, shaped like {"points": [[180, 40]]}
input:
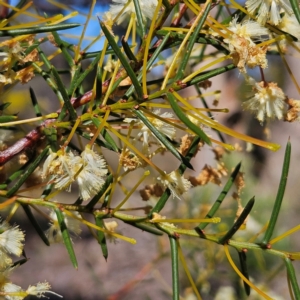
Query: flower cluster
{"points": [[12, 243], [124, 8], [269, 10], [12, 54], [88, 169], [149, 90], [146, 135], [177, 184], [267, 101], [241, 44]]}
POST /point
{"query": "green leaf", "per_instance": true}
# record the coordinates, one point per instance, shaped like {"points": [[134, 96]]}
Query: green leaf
{"points": [[76, 72], [175, 272], [107, 137], [145, 227], [101, 237], [177, 38], [296, 9], [238, 223], [209, 113], [95, 53], [191, 43], [98, 86], [167, 5], [221, 197], [98, 141], [3, 106], [66, 237], [61, 88], [161, 202], [35, 30], [51, 135], [35, 224], [7, 118], [209, 74], [28, 172], [76, 82], [35, 103], [150, 62], [49, 80], [244, 270], [47, 190], [123, 61], [292, 277], [162, 138], [64, 49], [139, 17], [279, 197], [20, 4], [19, 262], [127, 50], [95, 199], [183, 118], [15, 175]]}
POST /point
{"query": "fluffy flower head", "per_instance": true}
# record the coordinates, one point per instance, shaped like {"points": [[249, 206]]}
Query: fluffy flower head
{"points": [[11, 239], [40, 289], [176, 183], [248, 29], [241, 44], [146, 135], [268, 101], [91, 177], [147, 8], [88, 170], [269, 10], [290, 25]]}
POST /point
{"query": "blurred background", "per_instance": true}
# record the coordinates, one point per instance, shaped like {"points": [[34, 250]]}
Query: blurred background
{"points": [[143, 271]]}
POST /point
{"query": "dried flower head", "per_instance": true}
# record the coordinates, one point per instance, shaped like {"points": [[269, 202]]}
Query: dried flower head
{"points": [[209, 174], [129, 160], [239, 210], [293, 110], [13, 53], [219, 152], [150, 191], [186, 142], [242, 45], [239, 182]]}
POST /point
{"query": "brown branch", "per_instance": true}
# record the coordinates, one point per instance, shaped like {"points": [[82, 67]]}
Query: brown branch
{"points": [[30, 140]]}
